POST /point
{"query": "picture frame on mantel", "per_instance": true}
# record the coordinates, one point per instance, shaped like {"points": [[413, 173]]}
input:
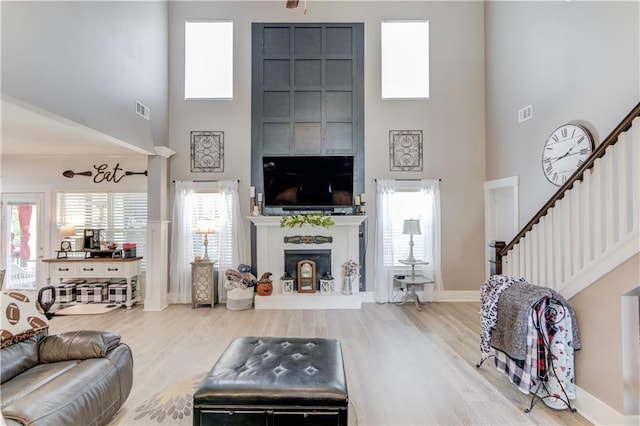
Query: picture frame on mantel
{"points": [[405, 150], [207, 151]]}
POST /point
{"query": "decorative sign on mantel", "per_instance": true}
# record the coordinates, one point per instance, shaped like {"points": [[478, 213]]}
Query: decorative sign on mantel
{"points": [[104, 173], [308, 239]]}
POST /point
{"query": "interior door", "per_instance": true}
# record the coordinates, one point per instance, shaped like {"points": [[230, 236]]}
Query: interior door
{"points": [[22, 240], [501, 212]]}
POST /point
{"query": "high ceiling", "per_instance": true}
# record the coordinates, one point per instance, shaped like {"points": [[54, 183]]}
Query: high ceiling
{"points": [[28, 131]]}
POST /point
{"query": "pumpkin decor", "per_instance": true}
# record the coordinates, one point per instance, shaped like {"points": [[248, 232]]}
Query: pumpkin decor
{"points": [[265, 285]]}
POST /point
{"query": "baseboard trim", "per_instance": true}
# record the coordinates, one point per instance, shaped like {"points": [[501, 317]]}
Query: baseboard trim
{"points": [[443, 296], [599, 413], [459, 296]]}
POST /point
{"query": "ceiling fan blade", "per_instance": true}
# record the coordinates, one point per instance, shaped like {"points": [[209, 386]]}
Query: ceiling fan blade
{"points": [[292, 4]]}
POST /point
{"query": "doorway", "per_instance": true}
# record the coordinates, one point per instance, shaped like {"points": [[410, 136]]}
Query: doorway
{"points": [[501, 212], [22, 244]]}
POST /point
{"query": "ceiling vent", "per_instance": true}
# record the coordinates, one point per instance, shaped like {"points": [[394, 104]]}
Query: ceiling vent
{"points": [[143, 110]]}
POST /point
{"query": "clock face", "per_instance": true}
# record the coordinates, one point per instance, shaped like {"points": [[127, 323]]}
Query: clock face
{"points": [[566, 149]]}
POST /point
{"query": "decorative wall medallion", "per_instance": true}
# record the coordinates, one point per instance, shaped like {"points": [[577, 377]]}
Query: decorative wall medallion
{"points": [[308, 239], [207, 151], [405, 150]]}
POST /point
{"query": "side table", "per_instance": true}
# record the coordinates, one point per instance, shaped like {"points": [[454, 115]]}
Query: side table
{"points": [[411, 283], [203, 288]]}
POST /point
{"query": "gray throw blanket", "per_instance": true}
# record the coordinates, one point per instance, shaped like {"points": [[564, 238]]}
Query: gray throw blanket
{"points": [[514, 307]]}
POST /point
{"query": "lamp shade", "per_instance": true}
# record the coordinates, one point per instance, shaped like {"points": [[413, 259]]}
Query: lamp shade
{"points": [[411, 227], [205, 227], [67, 231]]}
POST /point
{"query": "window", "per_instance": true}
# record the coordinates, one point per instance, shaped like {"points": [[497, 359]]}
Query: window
{"points": [[206, 206], [208, 60], [193, 203], [409, 204], [397, 201], [405, 59], [123, 216]]}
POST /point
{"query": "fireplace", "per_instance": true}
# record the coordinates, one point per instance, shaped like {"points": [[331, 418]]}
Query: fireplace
{"points": [[328, 247], [321, 257]]}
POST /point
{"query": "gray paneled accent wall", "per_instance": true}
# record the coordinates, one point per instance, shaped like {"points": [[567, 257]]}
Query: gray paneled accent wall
{"points": [[307, 93]]}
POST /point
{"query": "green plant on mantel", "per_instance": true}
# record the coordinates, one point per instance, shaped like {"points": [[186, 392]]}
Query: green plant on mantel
{"points": [[313, 219]]}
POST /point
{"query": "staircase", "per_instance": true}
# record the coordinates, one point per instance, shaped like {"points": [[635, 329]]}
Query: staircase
{"points": [[591, 224]]}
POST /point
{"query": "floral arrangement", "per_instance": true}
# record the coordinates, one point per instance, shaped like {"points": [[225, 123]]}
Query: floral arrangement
{"points": [[313, 219], [349, 272], [350, 269]]}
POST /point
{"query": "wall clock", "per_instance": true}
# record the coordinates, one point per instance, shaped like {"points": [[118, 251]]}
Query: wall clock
{"points": [[565, 150]]}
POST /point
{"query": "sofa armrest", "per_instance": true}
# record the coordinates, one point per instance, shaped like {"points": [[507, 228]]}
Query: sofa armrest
{"points": [[77, 345]]}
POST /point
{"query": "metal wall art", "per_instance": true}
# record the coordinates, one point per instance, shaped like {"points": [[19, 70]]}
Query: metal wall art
{"points": [[405, 150], [207, 151]]}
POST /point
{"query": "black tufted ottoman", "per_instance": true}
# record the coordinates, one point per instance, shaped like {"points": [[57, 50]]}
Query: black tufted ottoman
{"points": [[275, 381]]}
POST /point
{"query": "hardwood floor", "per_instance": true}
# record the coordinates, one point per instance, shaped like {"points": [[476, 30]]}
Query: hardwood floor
{"points": [[404, 367]]}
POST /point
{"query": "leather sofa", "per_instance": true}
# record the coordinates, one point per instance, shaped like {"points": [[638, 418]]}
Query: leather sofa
{"points": [[71, 378]]}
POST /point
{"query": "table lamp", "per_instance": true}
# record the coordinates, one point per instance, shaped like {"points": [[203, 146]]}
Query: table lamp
{"points": [[411, 227], [66, 232], [205, 227]]}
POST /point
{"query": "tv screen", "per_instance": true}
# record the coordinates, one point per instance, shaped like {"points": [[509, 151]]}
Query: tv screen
{"points": [[307, 182]]}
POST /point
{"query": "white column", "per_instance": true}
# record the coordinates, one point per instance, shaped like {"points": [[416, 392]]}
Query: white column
{"points": [[157, 282], [157, 273]]}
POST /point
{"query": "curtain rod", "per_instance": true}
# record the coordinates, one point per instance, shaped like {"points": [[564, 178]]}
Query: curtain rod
{"points": [[411, 180], [205, 180]]}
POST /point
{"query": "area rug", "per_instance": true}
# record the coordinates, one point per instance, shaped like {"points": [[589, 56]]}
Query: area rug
{"points": [[88, 309], [172, 406]]}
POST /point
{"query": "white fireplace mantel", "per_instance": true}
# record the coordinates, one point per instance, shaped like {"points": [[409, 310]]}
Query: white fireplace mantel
{"points": [[270, 248]]}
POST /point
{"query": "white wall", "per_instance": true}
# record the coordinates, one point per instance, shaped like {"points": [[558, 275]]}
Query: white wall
{"points": [[572, 61], [452, 120], [89, 62]]}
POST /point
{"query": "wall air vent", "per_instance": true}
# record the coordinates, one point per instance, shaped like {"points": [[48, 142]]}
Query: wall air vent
{"points": [[525, 113], [143, 110]]}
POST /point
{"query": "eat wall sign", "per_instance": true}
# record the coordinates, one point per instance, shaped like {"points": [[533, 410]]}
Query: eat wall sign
{"points": [[104, 173]]}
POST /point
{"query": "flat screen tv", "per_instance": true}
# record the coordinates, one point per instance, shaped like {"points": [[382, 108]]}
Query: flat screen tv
{"points": [[308, 182]]}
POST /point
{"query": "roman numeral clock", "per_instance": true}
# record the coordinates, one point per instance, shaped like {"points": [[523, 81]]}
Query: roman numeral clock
{"points": [[565, 150]]}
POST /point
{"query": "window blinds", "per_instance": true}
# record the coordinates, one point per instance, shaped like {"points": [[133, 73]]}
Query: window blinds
{"points": [[123, 216]]}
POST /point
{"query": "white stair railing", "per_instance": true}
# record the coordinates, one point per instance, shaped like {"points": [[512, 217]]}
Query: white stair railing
{"points": [[591, 229]]}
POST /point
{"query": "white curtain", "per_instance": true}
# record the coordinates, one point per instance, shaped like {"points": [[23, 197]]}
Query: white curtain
{"points": [[181, 245], [383, 272], [430, 225], [232, 241], [428, 196]]}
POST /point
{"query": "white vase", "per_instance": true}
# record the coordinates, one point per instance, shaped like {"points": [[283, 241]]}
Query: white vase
{"points": [[346, 285]]}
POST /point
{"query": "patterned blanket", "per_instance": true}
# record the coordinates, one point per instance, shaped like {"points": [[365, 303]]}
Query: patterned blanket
{"points": [[489, 296], [514, 307]]}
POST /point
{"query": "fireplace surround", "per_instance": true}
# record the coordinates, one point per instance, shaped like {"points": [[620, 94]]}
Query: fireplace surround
{"points": [[321, 257], [340, 241]]}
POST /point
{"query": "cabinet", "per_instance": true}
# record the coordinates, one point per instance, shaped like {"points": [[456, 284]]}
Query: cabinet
{"points": [[203, 284], [60, 270]]}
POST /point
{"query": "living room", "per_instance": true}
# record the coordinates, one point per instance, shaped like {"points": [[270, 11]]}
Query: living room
{"points": [[89, 62]]}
